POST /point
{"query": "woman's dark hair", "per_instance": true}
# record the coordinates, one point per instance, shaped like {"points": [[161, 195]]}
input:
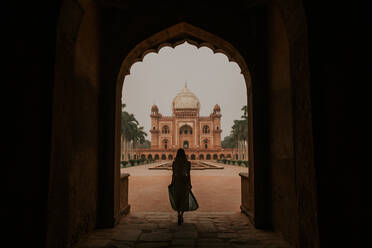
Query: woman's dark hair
{"points": [[181, 155]]}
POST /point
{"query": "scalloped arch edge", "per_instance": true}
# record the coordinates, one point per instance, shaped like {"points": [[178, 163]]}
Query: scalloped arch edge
{"points": [[177, 35]]}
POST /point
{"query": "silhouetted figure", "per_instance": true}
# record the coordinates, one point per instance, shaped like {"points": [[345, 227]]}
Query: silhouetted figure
{"points": [[180, 194]]}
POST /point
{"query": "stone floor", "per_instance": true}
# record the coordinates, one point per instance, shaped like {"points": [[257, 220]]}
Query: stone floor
{"points": [[200, 229]]}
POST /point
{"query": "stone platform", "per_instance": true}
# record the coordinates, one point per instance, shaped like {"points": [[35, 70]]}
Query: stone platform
{"points": [[195, 165]]}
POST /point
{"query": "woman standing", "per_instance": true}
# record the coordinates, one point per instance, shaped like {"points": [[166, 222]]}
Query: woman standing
{"points": [[180, 194]]}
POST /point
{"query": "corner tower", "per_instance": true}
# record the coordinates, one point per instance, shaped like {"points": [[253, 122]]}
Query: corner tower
{"points": [[216, 118], [155, 116]]}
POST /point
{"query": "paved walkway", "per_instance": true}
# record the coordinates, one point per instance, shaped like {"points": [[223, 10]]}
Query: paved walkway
{"points": [[216, 190], [212, 230], [151, 222]]}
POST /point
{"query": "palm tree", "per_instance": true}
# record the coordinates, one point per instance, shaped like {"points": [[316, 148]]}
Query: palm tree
{"points": [[130, 129], [239, 130], [229, 142], [245, 112], [243, 124], [139, 136]]}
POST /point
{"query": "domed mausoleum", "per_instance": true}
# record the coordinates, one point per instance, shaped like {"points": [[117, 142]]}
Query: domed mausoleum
{"points": [[200, 136], [185, 101]]}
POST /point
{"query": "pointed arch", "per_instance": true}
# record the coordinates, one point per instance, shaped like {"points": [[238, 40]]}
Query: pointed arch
{"points": [[176, 35], [173, 36]]}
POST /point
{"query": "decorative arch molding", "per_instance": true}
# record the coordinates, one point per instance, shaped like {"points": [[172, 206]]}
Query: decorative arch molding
{"points": [[295, 28], [292, 12], [176, 35]]}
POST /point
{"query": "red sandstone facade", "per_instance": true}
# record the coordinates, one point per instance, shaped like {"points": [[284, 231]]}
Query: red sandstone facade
{"points": [[200, 136]]}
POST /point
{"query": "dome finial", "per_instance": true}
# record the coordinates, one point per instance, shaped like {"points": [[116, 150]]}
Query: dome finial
{"points": [[185, 84]]}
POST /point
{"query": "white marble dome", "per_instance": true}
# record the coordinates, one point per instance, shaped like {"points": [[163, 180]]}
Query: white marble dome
{"points": [[186, 100]]}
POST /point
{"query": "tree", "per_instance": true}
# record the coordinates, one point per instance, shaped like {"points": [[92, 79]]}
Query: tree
{"points": [[239, 131], [138, 136], [130, 129], [240, 127], [146, 144], [245, 112], [229, 142]]}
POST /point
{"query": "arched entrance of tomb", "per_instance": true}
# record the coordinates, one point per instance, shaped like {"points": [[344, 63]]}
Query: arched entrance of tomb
{"points": [[78, 38], [185, 144], [172, 37], [257, 203], [264, 137]]}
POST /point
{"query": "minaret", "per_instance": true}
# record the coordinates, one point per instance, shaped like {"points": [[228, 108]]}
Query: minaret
{"points": [[155, 116], [216, 115]]}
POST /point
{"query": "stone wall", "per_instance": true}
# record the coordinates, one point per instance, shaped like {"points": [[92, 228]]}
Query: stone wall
{"points": [[73, 188], [332, 46], [86, 140], [124, 182], [246, 197], [281, 160]]}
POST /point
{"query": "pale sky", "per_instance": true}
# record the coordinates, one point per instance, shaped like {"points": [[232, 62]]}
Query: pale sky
{"points": [[161, 76]]}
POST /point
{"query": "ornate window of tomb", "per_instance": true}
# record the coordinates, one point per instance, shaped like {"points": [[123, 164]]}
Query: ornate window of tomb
{"points": [[165, 129], [206, 129]]}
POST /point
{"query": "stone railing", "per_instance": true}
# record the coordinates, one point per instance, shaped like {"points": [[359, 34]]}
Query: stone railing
{"points": [[124, 206], [247, 198]]}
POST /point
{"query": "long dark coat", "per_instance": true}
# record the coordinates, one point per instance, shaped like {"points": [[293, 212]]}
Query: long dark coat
{"points": [[180, 194]]}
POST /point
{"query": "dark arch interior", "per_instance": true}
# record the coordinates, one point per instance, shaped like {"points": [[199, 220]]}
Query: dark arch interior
{"points": [[66, 86]]}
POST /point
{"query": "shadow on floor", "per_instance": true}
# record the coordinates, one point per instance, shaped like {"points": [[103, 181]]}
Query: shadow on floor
{"points": [[200, 229]]}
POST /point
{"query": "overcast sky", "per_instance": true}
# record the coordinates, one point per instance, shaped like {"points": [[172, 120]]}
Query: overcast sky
{"points": [[160, 77]]}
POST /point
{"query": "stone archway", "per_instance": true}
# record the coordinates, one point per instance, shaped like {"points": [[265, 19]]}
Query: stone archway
{"points": [[300, 115], [173, 36]]}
